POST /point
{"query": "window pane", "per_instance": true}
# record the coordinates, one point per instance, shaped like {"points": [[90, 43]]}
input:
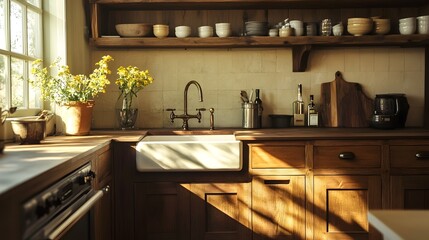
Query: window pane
{"points": [[17, 82], [34, 94], [16, 30], [34, 22], [2, 24], [34, 2], [3, 74]]}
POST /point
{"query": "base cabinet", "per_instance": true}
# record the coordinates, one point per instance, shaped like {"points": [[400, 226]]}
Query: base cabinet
{"points": [[278, 207], [169, 210], [410, 192], [162, 211], [341, 204]]}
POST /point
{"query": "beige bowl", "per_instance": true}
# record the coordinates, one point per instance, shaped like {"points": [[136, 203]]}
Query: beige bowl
{"points": [[133, 29], [381, 26], [160, 31], [29, 131], [359, 29]]}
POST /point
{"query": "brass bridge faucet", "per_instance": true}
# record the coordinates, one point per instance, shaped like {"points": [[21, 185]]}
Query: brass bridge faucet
{"points": [[185, 116]]}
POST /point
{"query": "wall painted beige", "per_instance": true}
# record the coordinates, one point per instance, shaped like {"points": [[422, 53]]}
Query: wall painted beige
{"points": [[222, 73]]}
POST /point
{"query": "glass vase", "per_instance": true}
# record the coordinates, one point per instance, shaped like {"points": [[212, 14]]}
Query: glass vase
{"points": [[126, 111]]}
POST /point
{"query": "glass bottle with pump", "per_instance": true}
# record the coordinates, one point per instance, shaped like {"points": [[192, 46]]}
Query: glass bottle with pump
{"points": [[258, 103], [312, 114], [298, 109]]}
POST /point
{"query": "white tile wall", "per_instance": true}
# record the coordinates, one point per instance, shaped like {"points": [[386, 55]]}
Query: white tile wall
{"points": [[222, 73]]}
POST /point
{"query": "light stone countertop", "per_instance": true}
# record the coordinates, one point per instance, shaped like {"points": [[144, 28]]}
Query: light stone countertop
{"points": [[21, 163]]}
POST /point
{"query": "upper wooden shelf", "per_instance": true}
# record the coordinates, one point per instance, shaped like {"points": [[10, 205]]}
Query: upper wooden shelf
{"points": [[301, 46], [415, 40], [266, 4]]}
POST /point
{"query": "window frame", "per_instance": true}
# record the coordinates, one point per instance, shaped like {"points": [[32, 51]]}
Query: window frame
{"points": [[25, 56]]}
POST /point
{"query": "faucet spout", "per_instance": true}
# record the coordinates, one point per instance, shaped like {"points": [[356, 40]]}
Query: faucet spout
{"points": [[200, 92]]}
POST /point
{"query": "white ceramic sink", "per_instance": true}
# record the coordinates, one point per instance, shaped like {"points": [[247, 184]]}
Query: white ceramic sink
{"points": [[160, 153]]}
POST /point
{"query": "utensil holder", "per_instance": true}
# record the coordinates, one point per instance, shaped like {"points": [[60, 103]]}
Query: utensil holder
{"points": [[250, 115]]}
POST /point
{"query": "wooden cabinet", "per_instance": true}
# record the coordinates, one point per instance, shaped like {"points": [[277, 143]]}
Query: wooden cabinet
{"points": [[278, 207], [409, 161], [169, 210], [162, 211], [341, 204], [103, 211], [220, 211]]}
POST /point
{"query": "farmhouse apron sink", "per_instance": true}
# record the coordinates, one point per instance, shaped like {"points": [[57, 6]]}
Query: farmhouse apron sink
{"points": [[163, 153]]}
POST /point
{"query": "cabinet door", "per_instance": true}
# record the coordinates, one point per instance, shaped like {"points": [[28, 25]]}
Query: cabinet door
{"points": [[341, 204], [278, 207], [161, 211], [410, 192], [220, 211]]}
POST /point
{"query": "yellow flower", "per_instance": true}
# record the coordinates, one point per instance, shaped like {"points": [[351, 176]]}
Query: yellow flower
{"points": [[65, 87]]}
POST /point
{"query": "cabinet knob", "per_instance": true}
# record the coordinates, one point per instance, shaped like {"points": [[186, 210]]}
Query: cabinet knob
{"points": [[346, 156], [422, 155]]}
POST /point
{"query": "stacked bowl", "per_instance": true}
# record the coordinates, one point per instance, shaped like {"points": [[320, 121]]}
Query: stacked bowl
{"points": [[160, 30], [298, 27], [407, 26], [205, 31], [359, 26], [182, 31], [256, 28], [423, 24], [223, 29], [381, 26]]}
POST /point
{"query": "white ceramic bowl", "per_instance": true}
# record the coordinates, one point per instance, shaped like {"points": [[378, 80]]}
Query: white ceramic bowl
{"points": [[409, 20], [222, 25], [223, 33], [182, 31], [205, 31], [296, 24], [133, 29], [274, 32], [407, 29], [299, 31], [338, 30]]}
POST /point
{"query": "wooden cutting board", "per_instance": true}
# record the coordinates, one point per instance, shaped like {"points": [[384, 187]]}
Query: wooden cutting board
{"points": [[344, 104]]}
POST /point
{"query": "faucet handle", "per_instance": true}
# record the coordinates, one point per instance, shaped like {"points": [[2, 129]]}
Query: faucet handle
{"points": [[172, 115], [200, 109]]}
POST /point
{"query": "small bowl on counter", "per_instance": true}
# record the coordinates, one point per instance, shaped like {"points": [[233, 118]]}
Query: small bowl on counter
{"points": [[133, 29], [29, 130]]}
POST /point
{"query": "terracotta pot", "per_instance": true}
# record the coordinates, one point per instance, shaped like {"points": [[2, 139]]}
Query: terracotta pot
{"points": [[77, 117]]}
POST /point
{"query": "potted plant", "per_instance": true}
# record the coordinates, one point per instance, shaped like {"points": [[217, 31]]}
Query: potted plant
{"points": [[130, 81], [75, 93]]}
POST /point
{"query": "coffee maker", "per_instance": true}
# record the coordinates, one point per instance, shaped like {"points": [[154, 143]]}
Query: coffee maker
{"points": [[390, 111]]}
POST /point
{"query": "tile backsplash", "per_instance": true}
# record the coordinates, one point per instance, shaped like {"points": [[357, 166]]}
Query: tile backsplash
{"points": [[222, 73]]}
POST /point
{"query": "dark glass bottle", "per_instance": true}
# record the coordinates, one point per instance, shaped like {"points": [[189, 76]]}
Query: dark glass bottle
{"points": [[258, 103]]}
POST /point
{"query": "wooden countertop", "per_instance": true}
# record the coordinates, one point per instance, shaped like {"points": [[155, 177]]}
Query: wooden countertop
{"points": [[21, 163]]}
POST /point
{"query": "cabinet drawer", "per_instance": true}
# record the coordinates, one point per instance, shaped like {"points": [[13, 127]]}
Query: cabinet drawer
{"points": [[347, 156], [277, 155], [416, 156]]}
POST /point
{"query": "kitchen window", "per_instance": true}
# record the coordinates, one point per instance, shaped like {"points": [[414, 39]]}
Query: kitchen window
{"points": [[20, 44]]}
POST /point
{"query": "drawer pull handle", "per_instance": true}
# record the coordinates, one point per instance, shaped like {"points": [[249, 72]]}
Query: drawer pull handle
{"points": [[422, 155], [346, 156], [272, 182]]}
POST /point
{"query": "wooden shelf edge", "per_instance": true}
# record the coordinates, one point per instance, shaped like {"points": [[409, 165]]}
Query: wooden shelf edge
{"points": [[415, 40]]}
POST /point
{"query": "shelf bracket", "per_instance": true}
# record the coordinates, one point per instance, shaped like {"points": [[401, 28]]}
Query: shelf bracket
{"points": [[300, 55]]}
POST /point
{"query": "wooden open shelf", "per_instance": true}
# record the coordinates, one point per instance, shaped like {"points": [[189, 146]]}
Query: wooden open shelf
{"points": [[301, 45]]}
